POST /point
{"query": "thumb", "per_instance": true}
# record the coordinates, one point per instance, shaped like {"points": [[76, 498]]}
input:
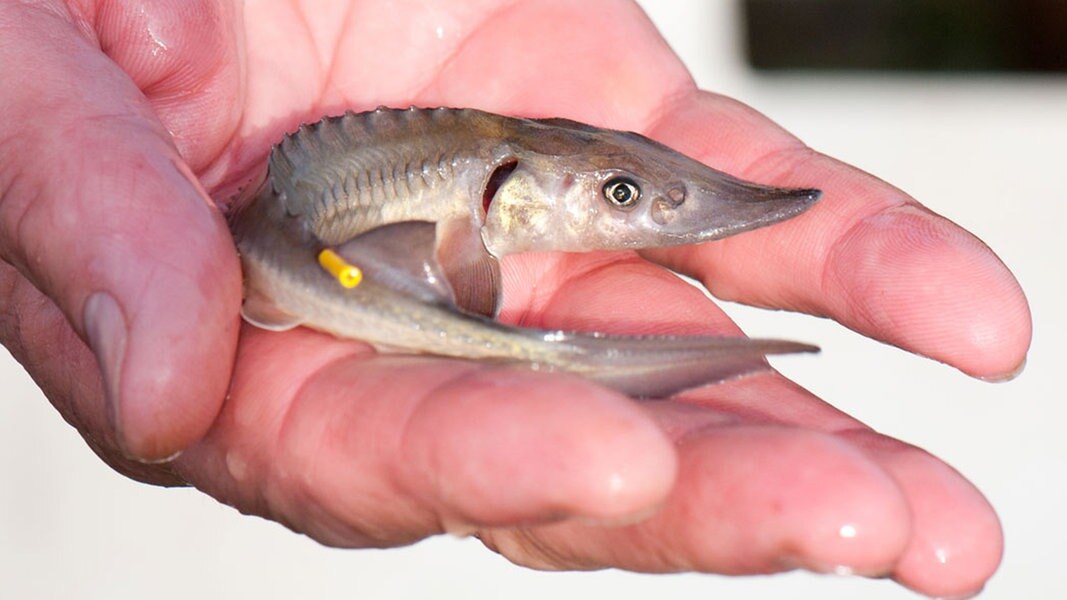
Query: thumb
{"points": [[99, 212]]}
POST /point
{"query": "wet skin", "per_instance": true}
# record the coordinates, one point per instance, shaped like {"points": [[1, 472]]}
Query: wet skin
{"points": [[125, 254]]}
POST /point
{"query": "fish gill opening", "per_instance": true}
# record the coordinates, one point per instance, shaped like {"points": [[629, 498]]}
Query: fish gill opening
{"points": [[496, 179]]}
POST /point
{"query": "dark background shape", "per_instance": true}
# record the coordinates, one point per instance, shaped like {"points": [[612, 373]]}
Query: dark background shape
{"points": [[907, 35]]}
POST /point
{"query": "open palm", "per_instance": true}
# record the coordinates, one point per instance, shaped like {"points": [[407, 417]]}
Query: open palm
{"points": [[126, 120]]}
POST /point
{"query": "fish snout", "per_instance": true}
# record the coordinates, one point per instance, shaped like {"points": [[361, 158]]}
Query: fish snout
{"points": [[726, 207]]}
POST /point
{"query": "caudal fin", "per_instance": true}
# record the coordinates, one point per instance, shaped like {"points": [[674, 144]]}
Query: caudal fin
{"points": [[659, 366]]}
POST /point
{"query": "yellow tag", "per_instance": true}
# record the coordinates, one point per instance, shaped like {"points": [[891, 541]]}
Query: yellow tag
{"points": [[348, 275]]}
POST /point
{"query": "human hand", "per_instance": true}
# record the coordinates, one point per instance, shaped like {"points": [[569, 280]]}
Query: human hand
{"points": [[359, 449]]}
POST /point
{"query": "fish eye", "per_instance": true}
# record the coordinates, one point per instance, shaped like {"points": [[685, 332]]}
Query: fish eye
{"points": [[622, 191]]}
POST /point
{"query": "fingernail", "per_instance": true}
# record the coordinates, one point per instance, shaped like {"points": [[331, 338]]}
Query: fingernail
{"points": [[966, 596], [105, 326], [621, 521], [845, 570], [1008, 376], [458, 528]]}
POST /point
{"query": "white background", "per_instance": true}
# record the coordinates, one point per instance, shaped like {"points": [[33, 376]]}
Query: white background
{"points": [[988, 152]]}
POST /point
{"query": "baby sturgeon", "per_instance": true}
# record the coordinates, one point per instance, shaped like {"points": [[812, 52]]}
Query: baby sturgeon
{"points": [[425, 201]]}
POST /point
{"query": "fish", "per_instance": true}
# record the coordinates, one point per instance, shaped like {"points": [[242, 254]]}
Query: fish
{"points": [[425, 202]]}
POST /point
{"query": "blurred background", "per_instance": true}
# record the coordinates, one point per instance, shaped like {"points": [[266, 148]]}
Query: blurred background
{"points": [[962, 106]]}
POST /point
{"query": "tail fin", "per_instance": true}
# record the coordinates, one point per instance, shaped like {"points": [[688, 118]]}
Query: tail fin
{"points": [[659, 366]]}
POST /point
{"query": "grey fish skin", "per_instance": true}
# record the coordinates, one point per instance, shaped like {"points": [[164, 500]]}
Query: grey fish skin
{"points": [[350, 174], [487, 185]]}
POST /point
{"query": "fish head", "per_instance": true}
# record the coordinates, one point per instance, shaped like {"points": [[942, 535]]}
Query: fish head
{"points": [[579, 188]]}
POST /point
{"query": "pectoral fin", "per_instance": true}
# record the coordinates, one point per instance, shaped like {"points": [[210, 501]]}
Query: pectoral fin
{"points": [[472, 271], [401, 256]]}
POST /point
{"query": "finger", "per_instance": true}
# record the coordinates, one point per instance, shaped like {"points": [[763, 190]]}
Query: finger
{"points": [[337, 411], [958, 542], [951, 541], [601, 73], [609, 292], [100, 213], [754, 493], [749, 499], [183, 56], [866, 255], [624, 294], [367, 450], [37, 334], [756, 496]]}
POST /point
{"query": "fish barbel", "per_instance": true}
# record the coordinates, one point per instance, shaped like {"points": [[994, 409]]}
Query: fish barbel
{"points": [[425, 201]]}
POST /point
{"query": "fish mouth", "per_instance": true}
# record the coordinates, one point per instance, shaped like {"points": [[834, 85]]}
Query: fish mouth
{"points": [[732, 206]]}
